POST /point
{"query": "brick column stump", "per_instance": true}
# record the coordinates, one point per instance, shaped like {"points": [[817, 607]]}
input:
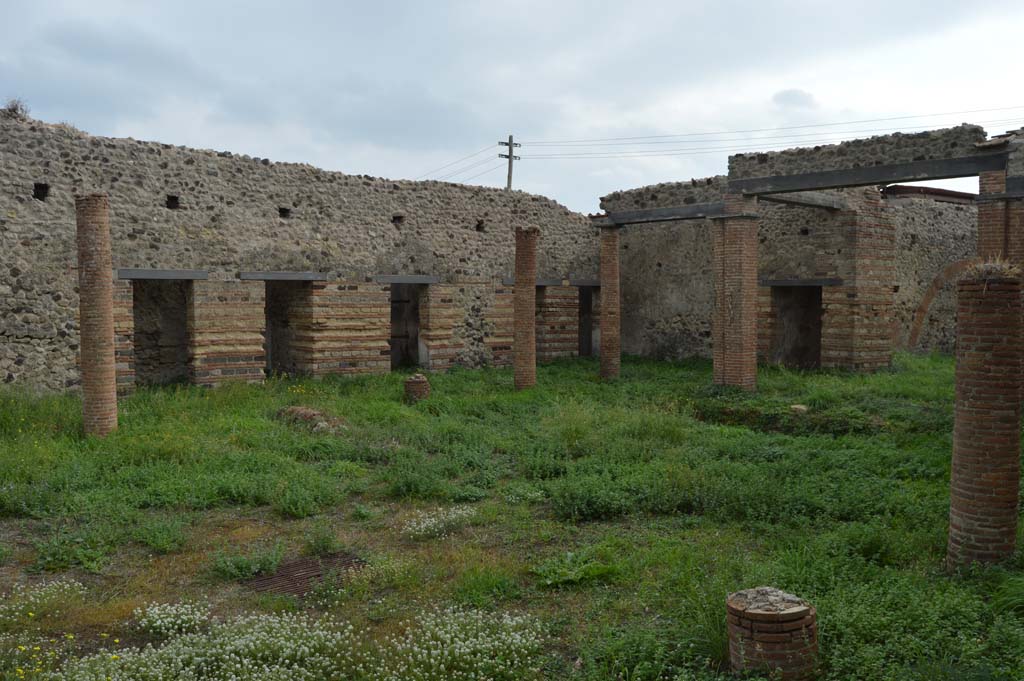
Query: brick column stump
{"points": [[524, 338], [772, 631], [96, 314], [610, 320], [417, 388], [985, 475], [734, 322]]}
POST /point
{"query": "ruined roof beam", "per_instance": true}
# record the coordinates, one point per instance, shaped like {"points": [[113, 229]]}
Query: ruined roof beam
{"points": [[809, 199]]}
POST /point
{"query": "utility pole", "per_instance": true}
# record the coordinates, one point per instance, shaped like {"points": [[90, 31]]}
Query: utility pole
{"points": [[511, 158]]}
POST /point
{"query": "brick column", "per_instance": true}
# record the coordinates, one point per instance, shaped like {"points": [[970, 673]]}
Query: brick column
{"points": [[611, 341], [772, 631], [985, 476], [524, 339], [96, 314], [734, 323]]}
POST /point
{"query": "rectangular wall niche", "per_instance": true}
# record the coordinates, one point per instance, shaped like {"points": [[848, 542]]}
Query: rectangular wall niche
{"points": [[161, 342], [590, 332], [405, 325], [796, 341], [284, 303]]}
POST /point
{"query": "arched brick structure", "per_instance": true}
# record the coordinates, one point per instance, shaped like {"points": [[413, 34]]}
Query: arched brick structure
{"points": [[524, 340], [948, 274], [96, 314], [985, 475]]}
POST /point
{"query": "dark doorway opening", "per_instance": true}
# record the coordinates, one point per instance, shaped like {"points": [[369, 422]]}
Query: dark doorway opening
{"points": [[160, 316], [405, 324], [589, 333], [283, 300], [797, 339]]}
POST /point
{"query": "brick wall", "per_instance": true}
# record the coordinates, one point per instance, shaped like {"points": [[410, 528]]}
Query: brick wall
{"points": [[439, 315], [558, 322], [985, 475], [226, 322]]}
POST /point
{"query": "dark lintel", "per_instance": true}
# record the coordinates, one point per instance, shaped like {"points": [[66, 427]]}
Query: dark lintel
{"points": [[138, 273], [801, 282], [407, 279], [937, 169], [592, 283], [692, 211], [511, 281], [283, 276], [810, 199]]}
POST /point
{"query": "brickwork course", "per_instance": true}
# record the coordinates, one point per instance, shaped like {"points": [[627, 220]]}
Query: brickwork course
{"points": [[611, 311], [96, 312], [985, 475], [771, 631], [524, 342]]}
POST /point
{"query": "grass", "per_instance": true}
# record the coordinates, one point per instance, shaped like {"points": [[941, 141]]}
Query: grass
{"points": [[618, 514]]}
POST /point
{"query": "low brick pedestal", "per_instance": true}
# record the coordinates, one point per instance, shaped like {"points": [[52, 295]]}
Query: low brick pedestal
{"points": [[417, 388], [772, 631]]}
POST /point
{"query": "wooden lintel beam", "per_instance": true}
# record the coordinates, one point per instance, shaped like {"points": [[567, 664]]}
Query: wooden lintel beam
{"points": [[811, 199], [936, 169]]}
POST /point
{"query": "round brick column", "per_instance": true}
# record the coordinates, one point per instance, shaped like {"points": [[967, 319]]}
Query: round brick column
{"points": [[772, 631], [524, 339], [985, 475], [96, 314], [417, 388], [611, 345]]}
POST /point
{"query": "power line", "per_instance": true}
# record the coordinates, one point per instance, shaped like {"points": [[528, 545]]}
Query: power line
{"points": [[489, 170], [752, 145], [792, 136], [459, 171], [791, 127], [448, 165]]}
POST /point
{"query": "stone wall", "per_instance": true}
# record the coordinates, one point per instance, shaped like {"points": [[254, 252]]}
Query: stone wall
{"points": [[236, 213], [932, 238], [869, 151], [667, 282]]}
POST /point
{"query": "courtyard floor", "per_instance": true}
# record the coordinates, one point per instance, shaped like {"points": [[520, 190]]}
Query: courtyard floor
{"points": [[592, 529]]}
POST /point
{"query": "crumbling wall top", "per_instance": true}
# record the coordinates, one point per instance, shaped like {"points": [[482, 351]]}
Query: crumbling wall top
{"points": [[701, 190], [870, 151]]}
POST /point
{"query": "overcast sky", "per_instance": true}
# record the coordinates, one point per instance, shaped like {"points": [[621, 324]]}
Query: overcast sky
{"points": [[399, 88]]}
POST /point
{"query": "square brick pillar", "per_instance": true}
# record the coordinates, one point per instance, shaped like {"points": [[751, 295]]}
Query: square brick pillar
{"points": [[524, 339], [734, 322], [440, 314], [992, 229], [611, 312], [501, 325], [226, 323], [985, 475], [96, 314], [342, 328], [124, 336]]}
